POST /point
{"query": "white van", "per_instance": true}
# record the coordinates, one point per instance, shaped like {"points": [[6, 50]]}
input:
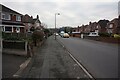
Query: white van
{"points": [[93, 34]]}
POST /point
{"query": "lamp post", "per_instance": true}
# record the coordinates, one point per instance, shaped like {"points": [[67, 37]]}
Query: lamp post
{"points": [[55, 24]]}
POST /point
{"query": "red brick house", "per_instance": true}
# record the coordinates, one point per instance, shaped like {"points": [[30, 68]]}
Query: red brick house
{"points": [[11, 21], [113, 27], [28, 22], [86, 29], [93, 27], [102, 26], [37, 23]]}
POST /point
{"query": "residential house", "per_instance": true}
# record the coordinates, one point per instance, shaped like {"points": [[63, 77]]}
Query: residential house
{"points": [[113, 27], [93, 26], [28, 22], [82, 29], [11, 21], [86, 29], [37, 23], [102, 26]]}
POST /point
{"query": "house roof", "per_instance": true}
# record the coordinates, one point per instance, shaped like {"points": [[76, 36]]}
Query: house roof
{"points": [[34, 20], [27, 19], [103, 23], [6, 9]]}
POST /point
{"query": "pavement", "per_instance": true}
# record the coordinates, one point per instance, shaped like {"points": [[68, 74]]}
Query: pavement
{"points": [[51, 60]]}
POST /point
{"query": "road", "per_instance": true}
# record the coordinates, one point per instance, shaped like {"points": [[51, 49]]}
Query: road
{"points": [[100, 59]]}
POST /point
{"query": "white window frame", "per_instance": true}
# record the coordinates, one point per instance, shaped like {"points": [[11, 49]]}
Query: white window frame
{"points": [[8, 26], [96, 30], [18, 18], [97, 26], [5, 14], [111, 26]]}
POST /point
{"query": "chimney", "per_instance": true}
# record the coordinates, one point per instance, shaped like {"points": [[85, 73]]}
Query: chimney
{"points": [[32, 17], [89, 23], [37, 17]]}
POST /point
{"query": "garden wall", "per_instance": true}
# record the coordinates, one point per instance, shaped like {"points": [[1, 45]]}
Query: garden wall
{"points": [[14, 47]]}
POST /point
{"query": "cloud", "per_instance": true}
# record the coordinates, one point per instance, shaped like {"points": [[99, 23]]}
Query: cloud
{"points": [[72, 13]]}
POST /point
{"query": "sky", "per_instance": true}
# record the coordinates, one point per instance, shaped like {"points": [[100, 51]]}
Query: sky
{"points": [[72, 12]]}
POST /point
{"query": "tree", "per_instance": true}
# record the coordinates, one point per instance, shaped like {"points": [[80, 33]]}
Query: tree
{"points": [[37, 36]]}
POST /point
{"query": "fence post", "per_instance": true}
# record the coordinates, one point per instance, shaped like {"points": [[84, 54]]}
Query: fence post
{"points": [[26, 43]]}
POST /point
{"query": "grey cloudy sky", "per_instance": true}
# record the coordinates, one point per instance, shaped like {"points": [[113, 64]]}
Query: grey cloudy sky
{"points": [[72, 13]]}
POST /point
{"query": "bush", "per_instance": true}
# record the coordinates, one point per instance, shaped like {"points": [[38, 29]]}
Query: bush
{"points": [[116, 36], [37, 36], [104, 34]]}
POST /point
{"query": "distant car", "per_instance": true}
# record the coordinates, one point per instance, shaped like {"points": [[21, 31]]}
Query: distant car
{"points": [[93, 34], [56, 34], [61, 33], [66, 35]]}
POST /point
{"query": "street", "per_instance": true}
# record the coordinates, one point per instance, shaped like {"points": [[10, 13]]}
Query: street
{"points": [[100, 59]]}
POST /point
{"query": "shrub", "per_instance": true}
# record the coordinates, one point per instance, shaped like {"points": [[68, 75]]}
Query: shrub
{"points": [[116, 36], [37, 36], [104, 34]]}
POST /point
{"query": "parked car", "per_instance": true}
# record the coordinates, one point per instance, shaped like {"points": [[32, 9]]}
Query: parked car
{"points": [[66, 35], [93, 34], [61, 33], [57, 34]]}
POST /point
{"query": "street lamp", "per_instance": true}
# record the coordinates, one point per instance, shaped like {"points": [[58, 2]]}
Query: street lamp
{"points": [[55, 23]]}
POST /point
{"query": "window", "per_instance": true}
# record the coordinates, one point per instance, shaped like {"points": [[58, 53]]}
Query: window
{"points": [[97, 27], [8, 29], [18, 18], [6, 16], [37, 24], [111, 26], [29, 24], [96, 31]]}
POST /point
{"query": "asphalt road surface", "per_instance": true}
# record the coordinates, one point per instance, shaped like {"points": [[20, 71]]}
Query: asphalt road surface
{"points": [[100, 59]]}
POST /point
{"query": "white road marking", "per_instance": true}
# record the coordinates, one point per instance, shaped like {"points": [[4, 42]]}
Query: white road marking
{"points": [[80, 65]]}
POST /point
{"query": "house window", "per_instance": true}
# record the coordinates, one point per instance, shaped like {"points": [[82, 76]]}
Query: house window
{"points": [[6, 16], [111, 26], [97, 27], [37, 24], [96, 31], [18, 18], [8, 29], [29, 24]]}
